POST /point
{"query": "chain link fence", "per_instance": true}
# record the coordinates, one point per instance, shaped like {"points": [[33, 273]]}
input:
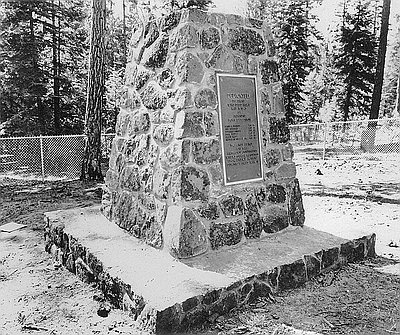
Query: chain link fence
{"points": [[327, 140], [46, 157]]}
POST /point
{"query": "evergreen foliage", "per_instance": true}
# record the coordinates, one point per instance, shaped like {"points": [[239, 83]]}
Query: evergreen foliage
{"points": [[355, 59]]}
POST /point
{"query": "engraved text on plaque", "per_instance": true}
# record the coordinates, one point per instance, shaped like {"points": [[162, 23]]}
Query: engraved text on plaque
{"points": [[240, 131]]}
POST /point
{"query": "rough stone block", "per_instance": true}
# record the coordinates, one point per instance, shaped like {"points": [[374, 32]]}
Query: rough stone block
{"points": [[185, 37], [172, 156], [272, 193], [296, 208], [206, 152], [209, 211], [246, 40], [292, 275], [189, 124], [189, 68], [139, 122], [193, 236], [278, 130], [153, 97], [205, 98], [275, 218], [130, 179], [156, 55], [232, 205], [211, 123], [170, 21], [141, 78], [191, 183], [163, 134], [209, 38], [225, 233], [221, 59], [330, 258], [285, 172], [313, 266], [165, 78], [194, 15], [269, 71], [253, 221], [272, 157]]}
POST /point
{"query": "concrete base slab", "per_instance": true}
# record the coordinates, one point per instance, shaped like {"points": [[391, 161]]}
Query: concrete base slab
{"points": [[164, 293]]}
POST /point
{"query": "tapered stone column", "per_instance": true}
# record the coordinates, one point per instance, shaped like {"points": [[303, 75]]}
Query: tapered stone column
{"points": [[165, 183]]}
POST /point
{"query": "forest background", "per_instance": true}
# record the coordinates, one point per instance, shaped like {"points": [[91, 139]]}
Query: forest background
{"points": [[327, 51]]}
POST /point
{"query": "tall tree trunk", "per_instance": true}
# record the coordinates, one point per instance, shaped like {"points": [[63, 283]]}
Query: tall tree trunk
{"points": [[368, 140], [380, 65], [91, 166], [397, 108], [56, 71]]}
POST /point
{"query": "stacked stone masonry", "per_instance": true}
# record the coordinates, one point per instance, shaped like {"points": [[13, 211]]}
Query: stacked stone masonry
{"points": [[199, 309], [165, 179]]}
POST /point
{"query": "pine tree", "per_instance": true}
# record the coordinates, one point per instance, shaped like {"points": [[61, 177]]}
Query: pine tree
{"points": [[295, 37], [355, 60]]}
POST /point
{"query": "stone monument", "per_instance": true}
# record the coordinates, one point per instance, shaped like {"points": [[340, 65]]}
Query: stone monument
{"points": [[201, 159]]}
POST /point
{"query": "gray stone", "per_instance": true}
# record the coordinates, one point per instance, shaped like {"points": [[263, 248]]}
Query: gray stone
{"points": [[272, 157], [275, 218], [278, 130], [269, 71], [271, 50], [216, 19], [122, 124], [206, 152], [163, 134], [211, 123], [193, 235], [292, 275], [165, 78], [151, 233], [124, 212], [111, 180], [253, 222], [130, 179], [246, 40], [161, 184], [151, 33], [287, 152], [225, 234], [147, 200], [330, 258], [285, 172], [205, 98], [153, 97], [296, 209], [221, 59], [191, 183], [209, 211], [272, 193], [185, 37], [182, 98], [172, 156], [155, 56], [141, 78], [139, 122], [194, 15], [170, 21], [232, 205], [189, 69], [240, 63], [129, 99], [234, 19], [313, 266], [189, 124], [209, 38], [146, 178]]}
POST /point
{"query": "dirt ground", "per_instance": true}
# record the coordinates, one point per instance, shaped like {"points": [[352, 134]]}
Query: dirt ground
{"points": [[38, 297]]}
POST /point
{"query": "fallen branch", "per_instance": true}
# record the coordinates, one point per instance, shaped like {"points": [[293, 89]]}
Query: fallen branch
{"points": [[33, 327]]}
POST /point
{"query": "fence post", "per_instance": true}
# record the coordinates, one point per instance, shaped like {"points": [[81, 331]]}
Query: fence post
{"points": [[325, 135], [42, 156]]}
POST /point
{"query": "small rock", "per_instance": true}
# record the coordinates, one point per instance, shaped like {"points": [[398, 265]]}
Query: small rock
{"points": [[318, 172], [104, 310]]}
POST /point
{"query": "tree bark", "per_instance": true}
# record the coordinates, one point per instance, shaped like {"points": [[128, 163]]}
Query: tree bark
{"points": [[91, 166], [368, 140], [56, 71], [380, 64]]}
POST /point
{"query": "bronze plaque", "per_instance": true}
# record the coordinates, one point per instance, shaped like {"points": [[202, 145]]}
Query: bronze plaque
{"points": [[240, 128]]}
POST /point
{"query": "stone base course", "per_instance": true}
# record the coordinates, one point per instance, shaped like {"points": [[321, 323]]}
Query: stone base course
{"points": [[164, 294]]}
